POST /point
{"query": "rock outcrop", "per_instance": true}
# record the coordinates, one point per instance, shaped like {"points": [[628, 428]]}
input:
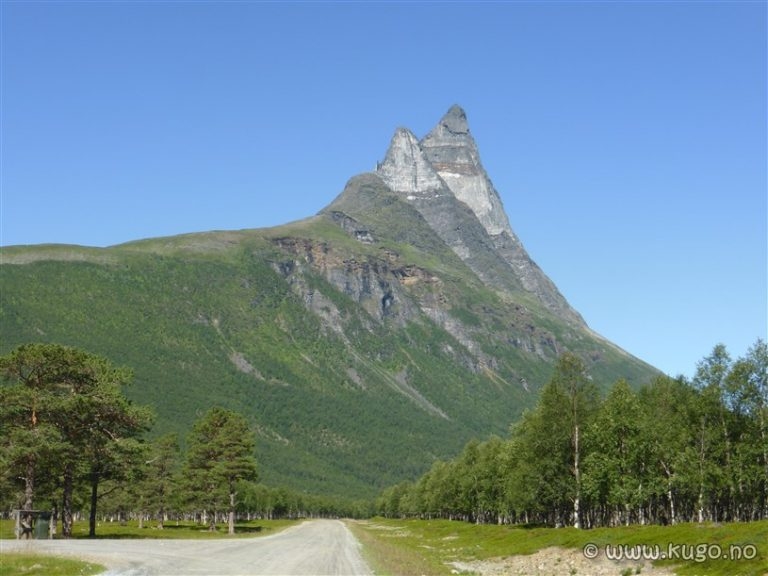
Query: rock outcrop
{"points": [[443, 178], [452, 152], [406, 169]]}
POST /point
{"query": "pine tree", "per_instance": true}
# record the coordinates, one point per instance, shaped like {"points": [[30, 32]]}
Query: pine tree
{"points": [[71, 402], [220, 454], [159, 474]]}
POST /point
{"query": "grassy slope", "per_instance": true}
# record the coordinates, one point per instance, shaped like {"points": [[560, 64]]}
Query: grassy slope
{"points": [[404, 547], [184, 312], [177, 322]]}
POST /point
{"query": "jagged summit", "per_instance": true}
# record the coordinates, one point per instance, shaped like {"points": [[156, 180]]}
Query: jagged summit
{"points": [[452, 151], [443, 172], [405, 168], [454, 121], [446, 157]]}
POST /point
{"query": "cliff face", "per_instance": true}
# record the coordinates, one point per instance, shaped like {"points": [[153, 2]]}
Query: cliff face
{"points": [[452, 152], [442, 176]]}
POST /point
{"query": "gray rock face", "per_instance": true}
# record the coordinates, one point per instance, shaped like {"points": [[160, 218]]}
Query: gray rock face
{"points": [[443, 178], [406, 169], [452, 152]]}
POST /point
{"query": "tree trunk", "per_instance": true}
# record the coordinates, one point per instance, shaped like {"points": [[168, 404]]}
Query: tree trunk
{"points": [[671, 499], [231, 512], [728, 467], [765, 463], [577, 476], [29, 484], [66, 502], [54, 520], [702, 456], [94, 501]]}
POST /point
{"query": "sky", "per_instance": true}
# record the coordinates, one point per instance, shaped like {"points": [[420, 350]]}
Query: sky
{"points": [[627, 140]]}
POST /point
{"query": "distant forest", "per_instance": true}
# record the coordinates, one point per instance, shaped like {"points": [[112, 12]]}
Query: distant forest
{"points": [[673, 451], [72, 444]]}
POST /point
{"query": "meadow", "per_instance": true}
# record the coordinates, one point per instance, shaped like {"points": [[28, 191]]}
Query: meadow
{"points": [[18, 564], [171, 530], [27, 564], [431, 546]]}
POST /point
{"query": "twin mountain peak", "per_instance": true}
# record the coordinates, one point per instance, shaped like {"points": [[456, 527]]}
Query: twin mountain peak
{"points": [[445, 161], [442, 177]]}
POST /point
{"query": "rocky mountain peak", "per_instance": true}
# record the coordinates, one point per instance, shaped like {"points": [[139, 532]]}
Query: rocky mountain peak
{"points": [[452, 152], [405, 168], [441, 174], [454, 121], [452, 131]]}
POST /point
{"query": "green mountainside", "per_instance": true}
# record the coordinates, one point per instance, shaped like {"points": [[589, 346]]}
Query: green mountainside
{"points": [[361, 343]]}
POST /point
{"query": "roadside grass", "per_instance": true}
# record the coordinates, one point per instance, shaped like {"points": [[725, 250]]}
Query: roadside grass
{"points": [[389, 557], [426, 546], [23, 564], [172, 530]]}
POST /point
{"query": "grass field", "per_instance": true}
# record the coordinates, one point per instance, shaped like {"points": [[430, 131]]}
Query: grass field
{"points": [[426, 547], [24, 564], [404, 547], [172, 529]]}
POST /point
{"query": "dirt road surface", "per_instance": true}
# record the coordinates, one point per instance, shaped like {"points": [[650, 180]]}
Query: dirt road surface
{"points": [[316, 548]]}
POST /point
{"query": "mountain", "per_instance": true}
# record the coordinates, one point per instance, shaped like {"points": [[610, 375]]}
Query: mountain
{"points": [[442, 176], [362, 343]]}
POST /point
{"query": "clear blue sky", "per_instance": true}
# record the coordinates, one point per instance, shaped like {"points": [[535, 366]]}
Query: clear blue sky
{"points": [[627, 139]]}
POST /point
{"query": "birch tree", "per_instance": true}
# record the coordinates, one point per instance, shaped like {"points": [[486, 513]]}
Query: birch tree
{"points": [[581, 396], [665, 403], [617, 466]]}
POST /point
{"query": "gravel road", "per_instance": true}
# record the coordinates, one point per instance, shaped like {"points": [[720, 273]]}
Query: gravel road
{"points": [[315, 548]]}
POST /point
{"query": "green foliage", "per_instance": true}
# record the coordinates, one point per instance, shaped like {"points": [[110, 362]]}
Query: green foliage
{"points": [[67, 428], [615, 471], [65, 419], [432, 545], [219, 457], [340, 397], [154, 490], [173, 530], [674, 451]]}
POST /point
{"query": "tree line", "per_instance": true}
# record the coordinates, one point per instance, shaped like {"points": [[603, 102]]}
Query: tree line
{"points": [[70, 440], [675, 450]]}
